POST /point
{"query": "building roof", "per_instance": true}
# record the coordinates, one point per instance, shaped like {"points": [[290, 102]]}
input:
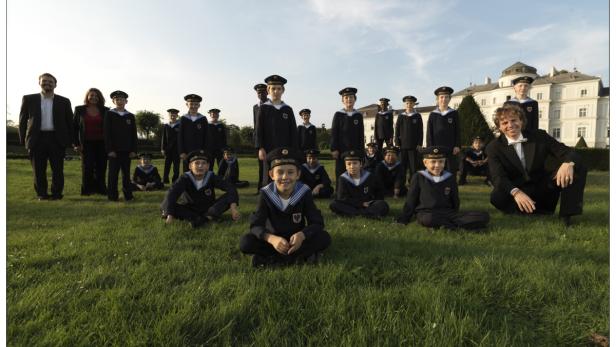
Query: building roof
{"points": [[518, 68], [476, 89], [564, 76]]}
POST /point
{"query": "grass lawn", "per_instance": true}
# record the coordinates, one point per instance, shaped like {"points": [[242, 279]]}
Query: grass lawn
{"points": [[86, 272]]}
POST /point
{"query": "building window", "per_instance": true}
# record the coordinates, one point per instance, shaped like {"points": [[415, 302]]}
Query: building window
{"points": [[483, 102], [493, 100], [556, 114], [372, 127], [539, 96], [582, 112], [581, 132], [540, 113], [557, 94], [508, 97], [556, 133], [583, 93]]}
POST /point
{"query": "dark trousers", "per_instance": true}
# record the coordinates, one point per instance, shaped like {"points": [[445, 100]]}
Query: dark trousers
{"points": [[451, 164], [250, 244], [545, 193], [241, 184], [466, 168], [409, 159], [378, 208], [325, 192], [93, 168], [171, 157], [48, 148], [216, 157], [379, 144], [194, 211], [185, 165], [120, 163], [260, 181], [389, 191], [265, 174], [451, 219], [340, 168]]}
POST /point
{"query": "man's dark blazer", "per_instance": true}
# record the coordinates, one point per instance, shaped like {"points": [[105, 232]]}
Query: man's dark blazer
{"points": [[542, 153], [30, 120], [79, 130]]}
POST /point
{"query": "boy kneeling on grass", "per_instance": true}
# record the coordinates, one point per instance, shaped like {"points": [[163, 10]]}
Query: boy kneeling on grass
{"points": [[146, 176], [195, 190], [433, 196], [287, 226], [359, 192]]}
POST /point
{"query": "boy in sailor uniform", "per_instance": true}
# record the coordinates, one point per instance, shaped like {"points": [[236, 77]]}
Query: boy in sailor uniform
{"points": [[229, 169], [192, 135], [145, 176], [261, 90], [307, 132], [521, 86], [347, 129], [384, 125], [409, 136], [359, 193], [314, 175], [391, 173], [444, 127], [169, 146], [475, 161], [287, 227], [120, 134], [276, 125], [192, 197], [216, 137], [372, 157], [433, 197]]}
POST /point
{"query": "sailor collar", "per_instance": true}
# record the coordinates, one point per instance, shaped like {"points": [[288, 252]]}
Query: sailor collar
{"points": [[445, 175], [364, 176], [119, 113], [206, 179], [307, 125], [312, 171], [174, 124], [392, 166], [144, 169], [231, 161], [523, 101], [384, 112], [278, 107], [272, 194], [350, 114], [409, 114], [198, 116], [448, 110]]}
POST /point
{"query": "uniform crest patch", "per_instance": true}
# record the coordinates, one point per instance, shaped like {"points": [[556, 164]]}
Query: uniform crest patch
{"points": [[297, 217], [447, 190], [285, 116], [208, 192], [414, 121], [219, 129], [128, 121], [450, 120], [317, 176], [198, 126], [356, 121], [529, 109]]}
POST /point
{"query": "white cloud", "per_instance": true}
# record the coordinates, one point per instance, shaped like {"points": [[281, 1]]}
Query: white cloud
{"points": [[528, 34]]}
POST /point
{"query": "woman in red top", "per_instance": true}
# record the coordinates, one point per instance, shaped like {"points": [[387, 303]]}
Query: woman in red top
{"points": [[90, 143]]}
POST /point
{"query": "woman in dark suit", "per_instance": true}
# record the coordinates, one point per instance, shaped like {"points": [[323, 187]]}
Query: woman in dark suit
{"points": [[89, 142]]}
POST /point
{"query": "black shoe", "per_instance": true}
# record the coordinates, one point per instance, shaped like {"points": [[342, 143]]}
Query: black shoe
{"points": [[198, 222], [567, 221], [258, 261], [57, 197], [42, 197], [166, 181], [461, 183], [314, 258]]}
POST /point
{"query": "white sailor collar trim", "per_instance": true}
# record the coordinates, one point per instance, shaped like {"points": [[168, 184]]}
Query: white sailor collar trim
{"points": [[206, 179], [119, 113], [147, 171], [278, 107], [312, 171], [350, 114], [523, 101], [272, 194], [392, 166], [447, 111], [445, 175], [198, 116], [364, 176], [409, 114]]}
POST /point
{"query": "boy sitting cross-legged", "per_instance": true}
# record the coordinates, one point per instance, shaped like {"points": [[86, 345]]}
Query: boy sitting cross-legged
{"points": [[359, 193], [433, 196], [195, 191], [287, 226], [315, 176], [146, 176]]}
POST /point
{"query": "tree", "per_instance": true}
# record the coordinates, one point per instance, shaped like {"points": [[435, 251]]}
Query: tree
{"points": [[323, 137], [147, 123], [581, 143], [233, 136], [472, 122], [246, 136]]}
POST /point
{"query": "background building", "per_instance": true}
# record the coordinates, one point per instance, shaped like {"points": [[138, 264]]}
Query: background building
{"points": [[571, 104]]}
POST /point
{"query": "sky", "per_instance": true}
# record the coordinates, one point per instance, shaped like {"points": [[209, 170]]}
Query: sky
{"points": [[158, 51]]}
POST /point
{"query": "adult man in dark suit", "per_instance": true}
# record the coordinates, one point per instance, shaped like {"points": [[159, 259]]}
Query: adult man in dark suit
{"points": [[45, 128], [530, 169]]}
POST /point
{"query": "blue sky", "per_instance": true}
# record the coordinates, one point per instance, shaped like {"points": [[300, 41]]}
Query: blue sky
{"points": [[158, 51]]}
